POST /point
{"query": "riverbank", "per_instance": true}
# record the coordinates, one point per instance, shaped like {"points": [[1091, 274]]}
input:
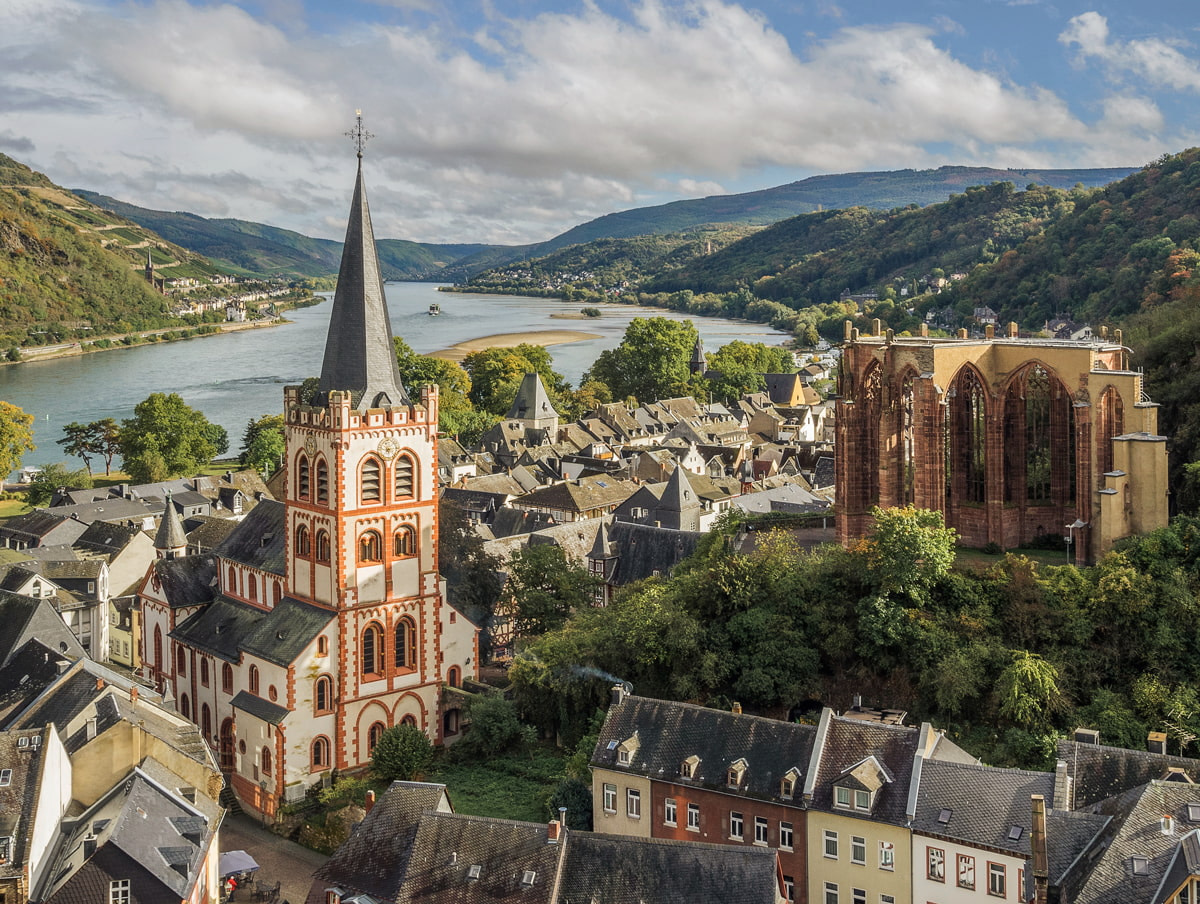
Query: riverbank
{"points": [[544, 338]]}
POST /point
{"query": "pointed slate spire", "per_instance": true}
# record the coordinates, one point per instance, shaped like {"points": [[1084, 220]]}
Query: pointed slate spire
{"points": [[171, 539], [699, 363], [532, 402], [359, 357], [678, 508], [601, 548]]}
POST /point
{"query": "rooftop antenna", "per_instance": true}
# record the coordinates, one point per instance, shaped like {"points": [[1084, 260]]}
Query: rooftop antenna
{"points": [[359, 135]]}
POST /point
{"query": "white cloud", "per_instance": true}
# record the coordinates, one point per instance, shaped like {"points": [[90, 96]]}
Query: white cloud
{"points": [[517, 132], [1151, 59]]}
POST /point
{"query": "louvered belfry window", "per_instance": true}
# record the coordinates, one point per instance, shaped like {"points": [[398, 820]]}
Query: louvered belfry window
{"points": [[371, 481]]}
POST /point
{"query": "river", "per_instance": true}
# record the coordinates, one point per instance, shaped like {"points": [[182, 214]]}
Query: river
{"points": [[240, 376]]}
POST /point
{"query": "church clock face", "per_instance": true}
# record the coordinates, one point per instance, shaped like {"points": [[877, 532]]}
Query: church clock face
{"points": [[388, 447], [310, 444]]}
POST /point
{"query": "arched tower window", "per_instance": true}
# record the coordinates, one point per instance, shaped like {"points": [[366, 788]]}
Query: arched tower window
{"points": [[303, 541], [1112, 423], [254, 679], [227, 678], [323, 694], [370, 547], [303, 478], [966, 447], [406, 644], [322, 546], [404, 542], [266, 761], [404, 477], [320, 753], [322, 482], [370, 480], [372, 651], [374, 733]]}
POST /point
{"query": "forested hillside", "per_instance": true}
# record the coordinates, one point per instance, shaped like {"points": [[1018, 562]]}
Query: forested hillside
{"points": [[68, 269]]}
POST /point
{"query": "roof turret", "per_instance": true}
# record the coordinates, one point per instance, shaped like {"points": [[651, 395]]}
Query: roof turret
{"points": [[171, 539]]}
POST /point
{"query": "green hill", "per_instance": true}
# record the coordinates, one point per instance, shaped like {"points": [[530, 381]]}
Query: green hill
{"points": [[71, 270], [255, 248]]}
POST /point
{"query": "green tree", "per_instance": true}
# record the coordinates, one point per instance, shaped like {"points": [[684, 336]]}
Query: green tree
{"points": [[82, 441], [402, 753], [496, 374], [739, 368], [1027, 691], [263, 444], [218, 436], [108, 441], [471, 572], [165, 438], [16, 437], [495, 727], [651, 362], [909, 550], [47, 482], [544, 588], [456, 414]]}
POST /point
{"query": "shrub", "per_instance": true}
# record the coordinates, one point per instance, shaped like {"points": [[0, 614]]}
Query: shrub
{"points": [[402, 753]]}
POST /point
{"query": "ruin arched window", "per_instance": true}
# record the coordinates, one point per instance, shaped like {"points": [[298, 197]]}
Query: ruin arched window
{"points": [[1039, 439], [1112, 423], [966, 434], [869, 401], [303, 479], [908, 439]]}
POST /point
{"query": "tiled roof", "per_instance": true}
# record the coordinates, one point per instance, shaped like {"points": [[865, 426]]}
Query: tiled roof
{"points": [[623, 870], [259, 540], [188, 580], [849, 741], [583, 495], [210, 533], [18, 796], [101, 536], [669, 733], [645, 550], [220, 628], [1098, 772], [260, 708], [287, 629], [24, 617]]}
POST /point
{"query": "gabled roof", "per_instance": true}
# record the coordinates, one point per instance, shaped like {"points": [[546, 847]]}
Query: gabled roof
{"points": [[34, 527], [847, 743], [359, 357], [287, 630], [1098, 772], [186, 581], [25, 618], [532, 402], [583, 495], [644, 550], [259, 540], [670, 733]]}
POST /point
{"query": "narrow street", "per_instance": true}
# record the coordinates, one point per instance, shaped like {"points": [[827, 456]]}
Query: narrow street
{"points": [[279, 860]]}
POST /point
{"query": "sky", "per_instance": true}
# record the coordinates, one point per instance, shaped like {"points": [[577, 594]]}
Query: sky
{"points": [[509, 121]]}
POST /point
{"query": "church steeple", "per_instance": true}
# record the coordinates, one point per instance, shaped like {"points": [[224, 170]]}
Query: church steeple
{"points": [[699, 363], [359, 357], [171, 540]]}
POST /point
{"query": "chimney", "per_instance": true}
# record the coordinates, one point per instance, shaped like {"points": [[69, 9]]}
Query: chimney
{"points": [[552, 832], [562, 817], [1062, 786], [1012, 329], [99, 684], [856, 704], [618, 694], [370, 801], [1103, 332], [875, 327], [1117, 337], [1037, 844], [1156, 742], [962, 334], [1167, 824], [737, 708], [925, 329], [990, 331], [133, 695], [90, 727]]}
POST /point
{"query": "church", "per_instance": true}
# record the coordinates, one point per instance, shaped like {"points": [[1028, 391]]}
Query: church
{"points": [[1015, 441], [321, 620]]}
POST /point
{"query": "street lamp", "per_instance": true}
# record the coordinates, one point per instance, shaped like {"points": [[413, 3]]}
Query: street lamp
{"points": [[1070, 537]]}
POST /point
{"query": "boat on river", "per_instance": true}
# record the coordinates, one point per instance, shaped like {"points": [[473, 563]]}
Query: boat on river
{"points": [[435, 309]]}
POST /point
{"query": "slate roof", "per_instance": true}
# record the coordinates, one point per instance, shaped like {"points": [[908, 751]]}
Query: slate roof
{"points": [[188, 580], [984, 803], [848, 742], [1068, 835], [34, 527], [260, 708], [669, 733], [1104, 874], [24, 618], [359, 357], [220, 628], [116, 510], [624, 870], [259, 540], [210, 533], [532, 401], [28, 672], [644, 550], [581, 496], [286, 630], [103, 537], [170, 529], [228, 627], [18, 799], [1098, 772]]}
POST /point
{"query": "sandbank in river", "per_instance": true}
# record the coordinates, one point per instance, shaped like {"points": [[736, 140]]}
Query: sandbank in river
{"points": [[510, 340]]}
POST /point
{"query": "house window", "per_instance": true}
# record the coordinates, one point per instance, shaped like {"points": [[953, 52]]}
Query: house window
{"points": [[303, 484], [322, 546], [118, 891], [370, 547], [454, 677], [180, 660], [372, 651], [323, 694], [887, 899], [760, 830], [862, 800], [831, 893], [404, 543], [887, 855], [303, 541], [623, 756], [858, 849], [786, 836], [693, 818], [5, 778], [735, 825], [406, 644], [254, 679], [789, 888], [374, 734], [322, 481], [404, 477], [610, 798], [204, 672], [687, 769], [322, 645], [669, 817], [858, 896], [996, 879], [831, 844], [227, 678], [320, 753], [633, 803], [787, 787], [266, 761], [185, 708], [841, 797], [936, 859], [370, 481], [966, 871]]}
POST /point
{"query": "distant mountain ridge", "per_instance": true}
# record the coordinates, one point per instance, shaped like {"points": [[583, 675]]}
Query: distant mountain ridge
{"points": [[257, 248]]}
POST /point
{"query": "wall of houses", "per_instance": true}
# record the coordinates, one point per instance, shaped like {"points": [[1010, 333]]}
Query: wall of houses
{"points": [[623, 805], [946, 872], [835, 864]]}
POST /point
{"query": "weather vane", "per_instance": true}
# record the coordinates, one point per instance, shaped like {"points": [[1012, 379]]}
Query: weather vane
{"points": [[358, 134]]}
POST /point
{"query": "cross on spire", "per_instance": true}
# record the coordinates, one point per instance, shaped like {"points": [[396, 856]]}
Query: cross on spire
{"points": [[359, 135]]}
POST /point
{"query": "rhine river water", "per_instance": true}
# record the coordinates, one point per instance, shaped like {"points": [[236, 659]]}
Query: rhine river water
{"points": [[240, 376]]}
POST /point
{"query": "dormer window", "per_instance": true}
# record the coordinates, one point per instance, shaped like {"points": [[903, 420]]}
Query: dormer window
{"points": [[626, 749], [687, 769], [856, 787], [787, 785], [735, 773]]}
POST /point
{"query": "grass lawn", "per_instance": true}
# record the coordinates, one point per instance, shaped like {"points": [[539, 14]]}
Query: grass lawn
{"points": [[979, 559], [513, 786], [9, 508]]}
